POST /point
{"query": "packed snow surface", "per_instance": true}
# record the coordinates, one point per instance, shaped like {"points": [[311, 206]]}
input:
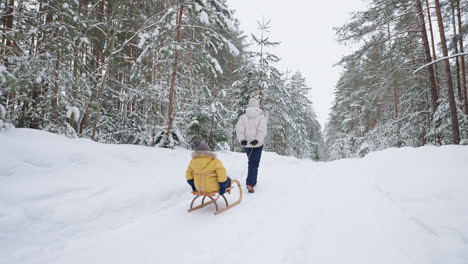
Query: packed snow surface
{"points": [[76, 201]]}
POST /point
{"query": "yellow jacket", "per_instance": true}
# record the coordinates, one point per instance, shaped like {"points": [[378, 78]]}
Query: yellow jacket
{"points": [[205, 162]]}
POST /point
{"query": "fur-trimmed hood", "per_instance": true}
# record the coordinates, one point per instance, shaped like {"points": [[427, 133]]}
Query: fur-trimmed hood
{"points": [[210, 154]]}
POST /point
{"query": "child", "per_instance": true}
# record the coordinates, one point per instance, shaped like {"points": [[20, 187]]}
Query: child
{"points": [[204, 163]]}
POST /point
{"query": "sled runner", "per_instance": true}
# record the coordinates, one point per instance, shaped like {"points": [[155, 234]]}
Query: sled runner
{"points": [[214, 196]]}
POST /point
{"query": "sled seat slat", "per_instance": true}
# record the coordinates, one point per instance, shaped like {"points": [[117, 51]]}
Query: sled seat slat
{"points": [[202, 193]]}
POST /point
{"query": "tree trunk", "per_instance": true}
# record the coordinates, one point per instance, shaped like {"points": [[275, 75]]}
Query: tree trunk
{"points": [[35, 98], [83, 122], [428, 57], [174, 70], [49, 41], [434, 54], [8, 22], [448, 75], [260, 92], [41, 89], [457, 61], [105, 59], [462, 59], [394, 79], [55, 99], [4, 19], [93, 61]]}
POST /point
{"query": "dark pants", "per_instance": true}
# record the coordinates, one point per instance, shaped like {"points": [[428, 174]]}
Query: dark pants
{"points": [[254, 155]]}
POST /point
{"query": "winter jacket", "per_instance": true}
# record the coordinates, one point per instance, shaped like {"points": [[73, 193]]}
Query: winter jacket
{"points": [[205, 162], [252, 125]]}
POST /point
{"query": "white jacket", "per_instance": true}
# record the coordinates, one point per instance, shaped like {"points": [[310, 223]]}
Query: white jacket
{"points": [[252, 125]]}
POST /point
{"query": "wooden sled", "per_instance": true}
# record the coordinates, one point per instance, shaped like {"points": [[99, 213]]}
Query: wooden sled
{"points": [[214, 196]]}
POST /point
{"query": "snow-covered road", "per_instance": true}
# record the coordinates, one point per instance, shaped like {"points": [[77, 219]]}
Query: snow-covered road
{"points": [[76, 201]]}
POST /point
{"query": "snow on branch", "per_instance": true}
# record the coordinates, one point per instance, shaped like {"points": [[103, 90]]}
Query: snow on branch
{"points": [[441, 59], [232, 49]]}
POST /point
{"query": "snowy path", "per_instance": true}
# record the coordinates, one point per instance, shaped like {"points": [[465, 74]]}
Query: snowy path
{"points": [[76, 201]]}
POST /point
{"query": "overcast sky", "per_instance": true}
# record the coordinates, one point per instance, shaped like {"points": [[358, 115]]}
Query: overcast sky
{"points": [[308, 42]]}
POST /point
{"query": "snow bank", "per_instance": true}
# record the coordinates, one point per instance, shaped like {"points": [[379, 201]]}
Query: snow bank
{"points": [[76, 201]]}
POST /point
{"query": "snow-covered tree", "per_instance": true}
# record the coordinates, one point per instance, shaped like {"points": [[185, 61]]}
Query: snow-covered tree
{"points": [[390, 93]]}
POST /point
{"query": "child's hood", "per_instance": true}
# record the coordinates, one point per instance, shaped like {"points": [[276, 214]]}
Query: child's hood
{"points": [[201, 159]]}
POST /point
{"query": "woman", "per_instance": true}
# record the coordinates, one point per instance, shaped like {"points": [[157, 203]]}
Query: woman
{"points": [[251, 130]]}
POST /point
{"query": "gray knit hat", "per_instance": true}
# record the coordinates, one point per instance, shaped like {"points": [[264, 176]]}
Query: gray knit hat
{"points": [[195, 143], [202, 146]]}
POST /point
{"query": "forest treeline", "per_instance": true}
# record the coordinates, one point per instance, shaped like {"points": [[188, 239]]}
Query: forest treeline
{"points": [[406, 83], [166, 72], [148, 72]]}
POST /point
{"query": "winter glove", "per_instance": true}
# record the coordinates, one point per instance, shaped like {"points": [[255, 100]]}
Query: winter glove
{"points": [[192, 184], [254, 142], [222, 187], [243, 142]]}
